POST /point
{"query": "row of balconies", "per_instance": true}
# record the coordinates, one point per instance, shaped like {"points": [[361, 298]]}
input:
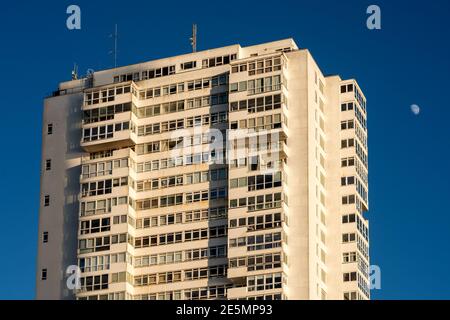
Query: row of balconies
{"points": [[111, 139], [358, 116]]}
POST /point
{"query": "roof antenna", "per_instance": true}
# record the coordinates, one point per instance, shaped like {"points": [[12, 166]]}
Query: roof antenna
{"points": [[75, 72], [114, 51], [194, 38]]}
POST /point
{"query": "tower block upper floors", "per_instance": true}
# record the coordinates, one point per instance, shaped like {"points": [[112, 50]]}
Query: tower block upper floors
{"points": [[232, 173], [171, 180], [257, 212]]}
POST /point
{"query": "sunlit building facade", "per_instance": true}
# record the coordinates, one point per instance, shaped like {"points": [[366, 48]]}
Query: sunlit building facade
{"points": [[231, 173]]}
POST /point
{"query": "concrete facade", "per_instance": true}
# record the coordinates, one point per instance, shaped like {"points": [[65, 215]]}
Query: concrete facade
{"points": [[232, 173]]}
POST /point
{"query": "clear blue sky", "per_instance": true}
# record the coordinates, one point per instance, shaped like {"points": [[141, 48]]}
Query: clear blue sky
{"points": [[405, 63]]}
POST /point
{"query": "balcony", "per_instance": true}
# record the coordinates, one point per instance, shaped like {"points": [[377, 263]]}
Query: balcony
{"points": [[111, 155], [269, 152], [278, 130], [109, 140], [237, 275], [236, 293], [236, 252], [237, 232]]}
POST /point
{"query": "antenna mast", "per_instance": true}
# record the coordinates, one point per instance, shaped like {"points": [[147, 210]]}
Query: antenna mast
{"points": [[75, 72], [114, 51], [194, 38], [115, 46]]}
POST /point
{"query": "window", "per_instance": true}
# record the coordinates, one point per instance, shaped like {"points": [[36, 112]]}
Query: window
{"points": [[350, 295], [348, 162], [260, 262], [165, 71], [261, 104], [349, 276], [348, 199], [346, 181], [258, 85], [188, 65], [45, 237], [98, 263], [349, 257], [101, 206], [217, 61], [260, 182], [94, 226], [242, 86], [347, 143], [349, 218], [102, 187], [264, 282], [50, 128], [262, 123], [105, 113], [259, 66], [104, 132], [347, 88], [348, 124], [261, 202], [46, 201], [175, 88], [48, 164], [44, 274], [268, 221], [348, 237], [100, 243], [92, 283], [347, 106], [258, 242]]}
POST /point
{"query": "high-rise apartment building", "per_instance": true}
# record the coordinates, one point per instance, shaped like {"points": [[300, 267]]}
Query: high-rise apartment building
{"points": [[232, 173]]}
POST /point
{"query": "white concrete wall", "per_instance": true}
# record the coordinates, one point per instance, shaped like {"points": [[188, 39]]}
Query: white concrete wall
{"points": [[60, 219]]}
